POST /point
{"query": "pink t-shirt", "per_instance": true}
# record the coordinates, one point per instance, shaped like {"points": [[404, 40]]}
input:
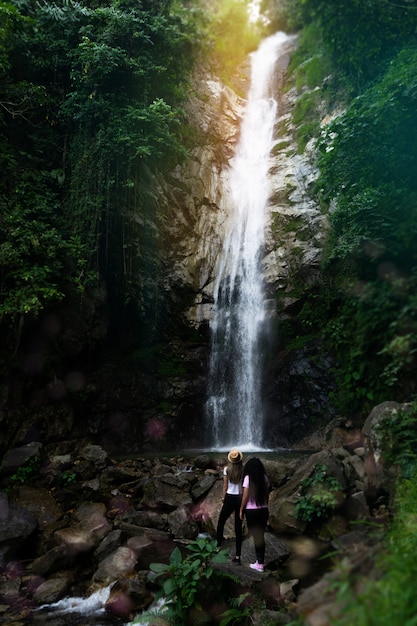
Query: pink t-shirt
{"points": [[251, 504]]}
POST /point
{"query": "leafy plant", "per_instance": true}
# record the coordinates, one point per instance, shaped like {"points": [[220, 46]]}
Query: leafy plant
{"points": [[27, 471], [184, 577], [68, 478], [318, 497], [397, 438], [236, 615]]}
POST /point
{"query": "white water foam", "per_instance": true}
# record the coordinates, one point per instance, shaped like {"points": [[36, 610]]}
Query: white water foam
{"points": [[91, 605], [94, 606]]}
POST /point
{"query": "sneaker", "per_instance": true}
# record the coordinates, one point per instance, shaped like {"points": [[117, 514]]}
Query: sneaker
{"points": [[260, 567], [236, 560]]}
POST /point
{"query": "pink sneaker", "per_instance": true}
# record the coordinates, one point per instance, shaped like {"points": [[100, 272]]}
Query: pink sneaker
{"points": [[258, 566]]}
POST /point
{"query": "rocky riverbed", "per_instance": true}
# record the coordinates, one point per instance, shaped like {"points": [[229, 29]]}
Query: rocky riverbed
{"points": [[75, 521]]}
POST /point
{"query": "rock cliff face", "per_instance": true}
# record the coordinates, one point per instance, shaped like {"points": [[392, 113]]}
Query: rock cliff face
{"points": [[194, 213]]}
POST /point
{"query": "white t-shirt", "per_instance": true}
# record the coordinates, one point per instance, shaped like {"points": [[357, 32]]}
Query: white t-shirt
{"points": [[233, 489]]}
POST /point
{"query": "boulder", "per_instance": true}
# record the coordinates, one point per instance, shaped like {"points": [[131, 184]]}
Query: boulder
{"points": [[148, 519], [39, 502], [92, 517], [203, 486], [127, 597], [282, 517], [279, 472], [356, 507], [139, 543], [118, 564], [109, 544], [76, 540], [276, 551], [93, 453], [53, 589], [182, 523], [167, 492], [283, 500], [380, 478], [16, 457], [52, 561], [206, 512], [16, 526]]}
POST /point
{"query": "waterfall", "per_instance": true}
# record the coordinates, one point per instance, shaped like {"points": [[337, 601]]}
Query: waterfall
{"points": [[234, 405]]}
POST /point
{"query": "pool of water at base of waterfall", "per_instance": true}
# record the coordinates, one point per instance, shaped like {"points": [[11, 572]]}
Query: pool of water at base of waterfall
{"points": [[218, 454]]}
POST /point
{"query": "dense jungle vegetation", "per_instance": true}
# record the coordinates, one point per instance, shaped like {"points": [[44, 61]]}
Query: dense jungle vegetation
{"points": [[91, 100], [360, 58]]}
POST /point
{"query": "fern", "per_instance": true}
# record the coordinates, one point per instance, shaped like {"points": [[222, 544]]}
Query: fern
{"points": [[69, 11]]}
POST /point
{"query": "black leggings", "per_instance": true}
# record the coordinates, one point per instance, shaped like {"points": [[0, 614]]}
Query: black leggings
{"points": [[256, 520], [231, 505]]}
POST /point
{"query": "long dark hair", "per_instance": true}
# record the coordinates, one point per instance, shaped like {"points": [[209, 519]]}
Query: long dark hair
{"points": [[258, 487]]}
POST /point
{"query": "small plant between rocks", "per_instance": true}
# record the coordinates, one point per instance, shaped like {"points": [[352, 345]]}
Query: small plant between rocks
{"points": [[318, 495], [185, 576], [26, 472]]}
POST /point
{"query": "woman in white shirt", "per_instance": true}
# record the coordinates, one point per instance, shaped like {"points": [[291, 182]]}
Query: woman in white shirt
{"points": [[232, 497]]}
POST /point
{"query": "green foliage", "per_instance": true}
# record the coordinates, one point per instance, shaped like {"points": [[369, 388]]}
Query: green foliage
{"points": [[32, 246], [397, 439], [158, 360], [305, 132], [237, 615], [310, 65], [26, 472], [355, 333], [230, 46], [10, 19], [184, 577], [318, 499], [389, 599], [367, 162], [361, 36], [313, 74], [90, 94], [285, 15], [376, 137], [67, 478]]}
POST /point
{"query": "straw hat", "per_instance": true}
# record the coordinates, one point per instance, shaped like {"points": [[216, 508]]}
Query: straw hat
{"points": [[234, 456]]}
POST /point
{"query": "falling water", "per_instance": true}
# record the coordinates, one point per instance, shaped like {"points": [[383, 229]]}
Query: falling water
{"points": [[234, 404]]}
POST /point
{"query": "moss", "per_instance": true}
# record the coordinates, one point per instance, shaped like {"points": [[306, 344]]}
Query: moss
{"points": [[281, 145]]}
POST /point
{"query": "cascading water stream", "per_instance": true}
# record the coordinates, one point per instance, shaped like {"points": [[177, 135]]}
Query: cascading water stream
{"points": [[234, 406]]}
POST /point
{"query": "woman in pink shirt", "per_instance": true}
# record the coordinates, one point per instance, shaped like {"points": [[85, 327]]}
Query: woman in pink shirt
{"points": [[254, 505]]}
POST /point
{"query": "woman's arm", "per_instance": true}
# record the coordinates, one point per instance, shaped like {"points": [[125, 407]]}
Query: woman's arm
{"points": [[245, 498], [225, 483]]}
